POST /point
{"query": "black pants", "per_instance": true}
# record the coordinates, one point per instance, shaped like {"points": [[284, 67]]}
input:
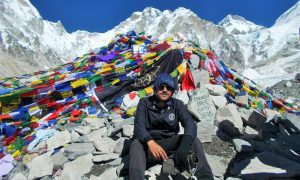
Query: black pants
{"points": [[140, 158]]}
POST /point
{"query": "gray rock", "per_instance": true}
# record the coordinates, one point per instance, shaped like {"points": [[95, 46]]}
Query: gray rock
{"points": [[75, 136], [95, 123], [219, 101], [216, 90], [71, 126], [201, 77], [183, 96], [122, 146], [95, 135], [242, 145], [266, 165], [288, 84], [127, 130], [218, 164], [205, 131], [245, 114], [78, 149], [19, 176], [229, 119], [105, 145], [59, 160], [201, 105], [40, 166], [105, 157], [112, 131], [59, 139], [83, 130], [77, 168]]}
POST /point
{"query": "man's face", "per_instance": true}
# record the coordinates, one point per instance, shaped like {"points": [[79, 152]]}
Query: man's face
{"points": [[164, 92]]}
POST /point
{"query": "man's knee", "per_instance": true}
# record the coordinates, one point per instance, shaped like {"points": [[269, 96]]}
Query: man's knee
{"points": [[136, 145]]}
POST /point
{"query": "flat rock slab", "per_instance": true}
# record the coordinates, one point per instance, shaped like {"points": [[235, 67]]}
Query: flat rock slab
{"points": [[202, 106], [105, 157], [219, 101], [205, 131], [216, 90], [77, 168], [59, 139], [95, 123], [78, 149], [218, 164], [83, 130], [106, 145], [266, 165], [40, 166]]}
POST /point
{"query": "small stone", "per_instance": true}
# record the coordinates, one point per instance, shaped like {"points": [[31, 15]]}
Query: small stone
{"points": [[288, 84]]}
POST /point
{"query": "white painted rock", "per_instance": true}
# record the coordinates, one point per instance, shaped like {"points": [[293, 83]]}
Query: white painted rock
{"points": [[201, 105]]}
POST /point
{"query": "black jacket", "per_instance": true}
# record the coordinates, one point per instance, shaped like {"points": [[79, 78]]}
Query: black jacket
{"points": [[152, 122]]}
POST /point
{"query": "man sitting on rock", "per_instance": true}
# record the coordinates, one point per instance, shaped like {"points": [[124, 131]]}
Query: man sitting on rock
{"points": [[156, 128]]}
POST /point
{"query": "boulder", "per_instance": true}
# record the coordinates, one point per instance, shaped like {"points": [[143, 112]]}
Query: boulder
{"points": [[77, 168], [122, 146], [106, 145], [78, 149], [216, 90], [219, 101], [202, 106], [40, 166], [95, 123], [59, 159], [95, 135], [59, 139], [229, 120], [83, 130]]}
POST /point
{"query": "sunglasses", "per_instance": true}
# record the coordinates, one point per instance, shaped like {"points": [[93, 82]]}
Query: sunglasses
{"points": [[163, 86]]}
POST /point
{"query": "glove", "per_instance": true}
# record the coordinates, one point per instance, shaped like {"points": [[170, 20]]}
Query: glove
{"points": [[183, 150]]}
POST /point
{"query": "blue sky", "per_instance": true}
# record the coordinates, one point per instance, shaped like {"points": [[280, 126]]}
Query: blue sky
{"points": [[103, 15]]}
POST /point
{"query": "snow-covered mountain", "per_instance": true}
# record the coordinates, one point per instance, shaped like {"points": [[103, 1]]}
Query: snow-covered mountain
{"points": [[238, 25], [30, 43]]}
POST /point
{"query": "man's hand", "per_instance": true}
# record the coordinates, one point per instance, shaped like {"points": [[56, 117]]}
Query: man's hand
{"points": [[156, 150]]}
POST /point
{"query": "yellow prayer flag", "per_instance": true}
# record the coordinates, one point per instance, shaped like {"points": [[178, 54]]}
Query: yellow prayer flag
{"points": [[115, 81], [181, 68], [149, 90], [79, 82]]}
